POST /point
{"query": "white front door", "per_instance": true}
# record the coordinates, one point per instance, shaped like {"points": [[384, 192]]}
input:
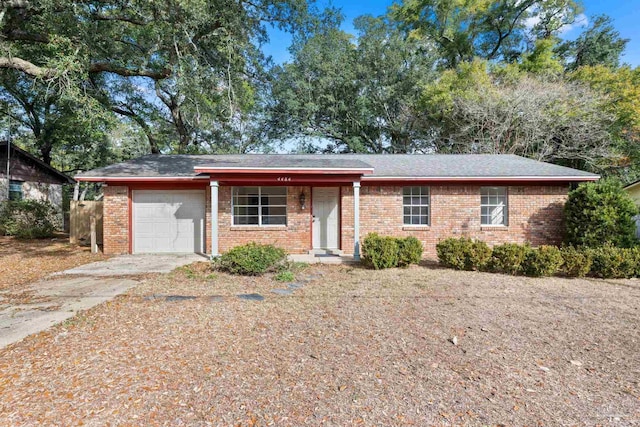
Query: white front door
{"points": [[168, 221], [325, 217]]}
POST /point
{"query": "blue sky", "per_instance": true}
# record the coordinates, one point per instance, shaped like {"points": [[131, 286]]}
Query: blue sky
{"points": [[625, 14]]}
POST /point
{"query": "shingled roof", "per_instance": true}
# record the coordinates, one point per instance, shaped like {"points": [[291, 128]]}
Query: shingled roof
{"points": [[434, 166]]}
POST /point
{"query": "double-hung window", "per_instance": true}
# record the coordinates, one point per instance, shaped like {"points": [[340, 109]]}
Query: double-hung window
{"points": [[259, 206], [415, 204], [494, 206], [15, 190]]}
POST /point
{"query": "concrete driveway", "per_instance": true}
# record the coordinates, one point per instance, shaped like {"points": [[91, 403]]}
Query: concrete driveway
{"points": [[62, 295]]}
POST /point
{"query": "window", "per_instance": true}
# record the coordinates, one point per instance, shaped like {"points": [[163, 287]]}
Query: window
{"points": [[259, 205], [15, 190], [415, 202], [494, 206]]}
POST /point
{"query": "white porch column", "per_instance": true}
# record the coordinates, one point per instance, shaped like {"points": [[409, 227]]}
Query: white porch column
{"points": [[356, 221], [214, 218]]}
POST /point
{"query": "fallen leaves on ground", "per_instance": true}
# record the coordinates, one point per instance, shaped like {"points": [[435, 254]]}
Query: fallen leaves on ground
{"points": [[351, 347], [26, 261]]}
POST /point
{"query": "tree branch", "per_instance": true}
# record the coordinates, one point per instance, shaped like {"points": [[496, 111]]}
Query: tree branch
{"points": [[26, 67], [105, 67]]}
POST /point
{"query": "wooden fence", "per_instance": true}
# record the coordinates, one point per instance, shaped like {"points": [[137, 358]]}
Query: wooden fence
{"points": [[80, 222]]}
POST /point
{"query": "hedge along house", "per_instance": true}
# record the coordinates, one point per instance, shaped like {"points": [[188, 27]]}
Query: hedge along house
{"points": [[303, 203]]}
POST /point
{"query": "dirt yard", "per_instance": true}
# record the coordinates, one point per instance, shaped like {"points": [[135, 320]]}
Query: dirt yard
{"points": [[25, 261], [350, 347]]}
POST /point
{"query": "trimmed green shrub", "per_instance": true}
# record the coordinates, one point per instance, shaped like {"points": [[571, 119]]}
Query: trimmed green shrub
{"points": [[610, 262], [508, 258], [542, 261], [576, 262], [463, 254], [28, 219], [600, 213], [409, 251], [252, 259], [477, 255], [380, 252], [452, 252]]}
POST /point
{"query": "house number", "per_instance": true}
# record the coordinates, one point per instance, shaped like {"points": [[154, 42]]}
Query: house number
{"points": [[284, 178]]}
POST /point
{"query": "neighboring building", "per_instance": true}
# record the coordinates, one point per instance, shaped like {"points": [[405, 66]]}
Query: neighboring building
{"points": [[30, 178], [211, 203], [634, 191]]}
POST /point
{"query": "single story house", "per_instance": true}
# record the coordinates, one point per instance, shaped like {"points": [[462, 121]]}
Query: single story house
{"points": [[29, 177], [211, 203]]}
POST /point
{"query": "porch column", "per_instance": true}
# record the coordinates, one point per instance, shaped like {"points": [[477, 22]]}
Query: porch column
{"points": [[356, 221], [214, 218]]}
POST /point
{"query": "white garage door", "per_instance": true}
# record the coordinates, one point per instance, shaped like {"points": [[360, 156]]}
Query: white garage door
{"points": [[168, 221]]}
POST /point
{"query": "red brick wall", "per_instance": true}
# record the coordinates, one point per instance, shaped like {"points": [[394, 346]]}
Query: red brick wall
{"points": [[535, 215], [295, 236], [116, 220]]}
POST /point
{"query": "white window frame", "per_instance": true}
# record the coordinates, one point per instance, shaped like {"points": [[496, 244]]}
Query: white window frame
{"points": [[496, 197], [259, 206], [419, 205]]}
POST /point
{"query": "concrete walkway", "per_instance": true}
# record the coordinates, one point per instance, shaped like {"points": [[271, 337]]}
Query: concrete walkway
{"points": [[132, 265], [64, 294]]}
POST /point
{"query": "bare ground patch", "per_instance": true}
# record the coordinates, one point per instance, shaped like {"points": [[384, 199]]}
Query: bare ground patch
{"points": [[26, 261], [352, 347]]}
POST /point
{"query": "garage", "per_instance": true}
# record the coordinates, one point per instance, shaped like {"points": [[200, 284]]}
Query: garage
{"points": [[168, 221]]}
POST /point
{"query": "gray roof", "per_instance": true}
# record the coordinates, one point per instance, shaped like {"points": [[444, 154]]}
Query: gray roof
{"points": [[384, 165]]}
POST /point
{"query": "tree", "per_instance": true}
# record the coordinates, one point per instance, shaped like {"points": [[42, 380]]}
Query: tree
{"points": [[180, 70], [600, 44], [621, 88], [600, 213], [357, 95], [488, 29], [506, 111]]}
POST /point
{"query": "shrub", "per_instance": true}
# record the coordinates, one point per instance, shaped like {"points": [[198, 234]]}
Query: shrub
{"points": [[452, 252], [409, 251], [508, 258], [462, 253], [285, 276], [251, 259], [610, 262], [477, 255], [28, 219], [600, 213], [576, 262], [380, 252], [543, 261]]}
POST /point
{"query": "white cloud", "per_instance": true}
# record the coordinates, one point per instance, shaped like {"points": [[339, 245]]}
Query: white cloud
{"points": [[581, 22]]}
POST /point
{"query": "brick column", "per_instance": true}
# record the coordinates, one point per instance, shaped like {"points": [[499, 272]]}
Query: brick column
{"points": [[356, 221], [214, 218]]}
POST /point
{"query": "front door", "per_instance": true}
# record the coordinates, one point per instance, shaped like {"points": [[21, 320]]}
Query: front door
{"points": [[325, 217]]}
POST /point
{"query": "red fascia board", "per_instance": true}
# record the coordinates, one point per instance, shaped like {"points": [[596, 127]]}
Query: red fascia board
{"points": [[285, 171], [127, 179], [459, 180]]}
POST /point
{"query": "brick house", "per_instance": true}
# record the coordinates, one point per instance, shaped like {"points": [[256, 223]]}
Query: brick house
{"points": [[29, 177], [211, 203]]}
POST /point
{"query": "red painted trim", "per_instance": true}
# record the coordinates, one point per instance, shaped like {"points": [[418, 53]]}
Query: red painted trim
{"points": [[340, 217], [127, 179], [311, 218], [130, 207], [459, 183], [290, 171], [372, 180]]}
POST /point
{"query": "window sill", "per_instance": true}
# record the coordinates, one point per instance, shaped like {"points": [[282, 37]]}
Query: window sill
{"points": [[416, 227], [258, 227], [494, 228]]}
